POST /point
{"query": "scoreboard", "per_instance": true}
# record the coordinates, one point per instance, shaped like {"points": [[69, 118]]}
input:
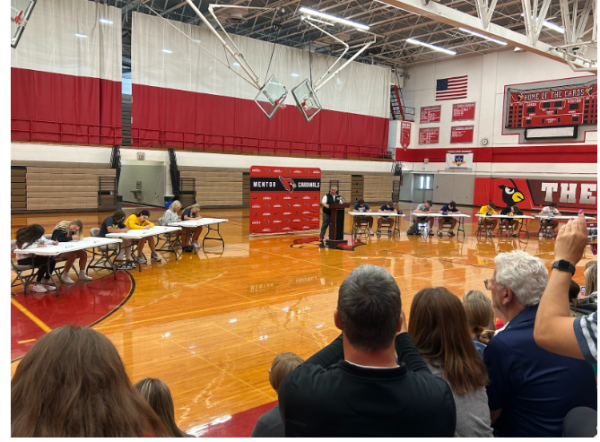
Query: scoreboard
{"points": [[564, 106]]}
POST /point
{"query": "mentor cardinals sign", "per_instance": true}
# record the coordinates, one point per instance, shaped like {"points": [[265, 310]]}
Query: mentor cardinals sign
{"points": [[284, 199]]}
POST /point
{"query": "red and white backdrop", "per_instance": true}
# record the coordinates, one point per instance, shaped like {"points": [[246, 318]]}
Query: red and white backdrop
{"points": [[183, 97], [284, 199], [66, 75]]}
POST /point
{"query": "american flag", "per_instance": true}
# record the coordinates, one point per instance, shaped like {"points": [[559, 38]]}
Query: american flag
{"points": [[452, 88]]}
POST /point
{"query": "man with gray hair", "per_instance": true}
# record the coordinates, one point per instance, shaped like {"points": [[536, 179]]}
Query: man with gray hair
{"points": [[355, 387], [330, 198], [530, 390]]}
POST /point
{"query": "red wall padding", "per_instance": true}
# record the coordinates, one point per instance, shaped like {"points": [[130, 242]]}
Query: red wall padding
{"points": [[62, 108], [168, 117]]}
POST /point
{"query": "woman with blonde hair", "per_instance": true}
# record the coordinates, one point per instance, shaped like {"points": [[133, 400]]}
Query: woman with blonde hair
{"points": [[270, 423], [591, 277], [439, 329], [480, 317], [66, 231], [171, 215], [72, 383], [191, 213], [158, 396]]}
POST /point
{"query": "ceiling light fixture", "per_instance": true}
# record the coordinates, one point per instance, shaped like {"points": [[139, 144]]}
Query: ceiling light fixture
{"points": [[549, 25], [500, 42], [427, 45], [324, 16]]}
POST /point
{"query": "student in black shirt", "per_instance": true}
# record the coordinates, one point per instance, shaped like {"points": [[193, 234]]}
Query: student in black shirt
{"points": [[191, 212], [514, 223], [355, 387], [114, 224]]}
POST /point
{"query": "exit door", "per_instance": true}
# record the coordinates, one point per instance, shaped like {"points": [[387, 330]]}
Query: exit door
{"points": [[423, 188]]}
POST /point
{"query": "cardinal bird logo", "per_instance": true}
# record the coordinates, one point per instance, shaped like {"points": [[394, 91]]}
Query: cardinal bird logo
{"points": [[520, 97], [511, 195], [288, 183], [589, 90]]}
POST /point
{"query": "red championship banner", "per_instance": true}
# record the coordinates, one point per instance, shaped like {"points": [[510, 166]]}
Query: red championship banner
{"points": [[463, 111], [429, 135], [405, 134], [535, 194], [284, 199], [461, 134], [431, 114]]}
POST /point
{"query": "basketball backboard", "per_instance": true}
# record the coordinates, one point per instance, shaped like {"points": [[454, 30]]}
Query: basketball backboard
{"points": [[20, 12], [271, 96], [306, 100]]}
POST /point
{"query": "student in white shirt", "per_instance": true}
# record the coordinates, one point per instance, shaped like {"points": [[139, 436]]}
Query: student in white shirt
{"points": [[31, 237], [550, 210]]}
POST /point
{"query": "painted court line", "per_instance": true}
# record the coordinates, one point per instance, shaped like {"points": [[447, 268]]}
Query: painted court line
{"points": [[31, 316]]}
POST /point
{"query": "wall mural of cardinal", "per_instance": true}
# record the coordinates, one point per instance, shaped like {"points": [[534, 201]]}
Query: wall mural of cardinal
{"points": [[511, 196]]}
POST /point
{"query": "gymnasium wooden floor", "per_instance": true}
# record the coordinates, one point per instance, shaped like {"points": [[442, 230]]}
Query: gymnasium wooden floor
{"points": [[210, 323]]}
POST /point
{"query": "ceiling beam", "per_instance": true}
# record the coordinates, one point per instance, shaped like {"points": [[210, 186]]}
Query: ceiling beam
{"points": [[452, 17]]}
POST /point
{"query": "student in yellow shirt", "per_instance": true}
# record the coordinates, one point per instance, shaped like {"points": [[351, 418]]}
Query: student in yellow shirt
{"points": [[140, 221], [490, 209]]}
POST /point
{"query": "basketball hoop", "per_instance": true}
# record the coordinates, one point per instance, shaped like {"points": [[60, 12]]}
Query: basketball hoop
{"points": [[20, 19]]}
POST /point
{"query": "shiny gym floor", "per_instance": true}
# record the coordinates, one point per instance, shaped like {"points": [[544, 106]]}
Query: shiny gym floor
{"points": [[210, 323]]}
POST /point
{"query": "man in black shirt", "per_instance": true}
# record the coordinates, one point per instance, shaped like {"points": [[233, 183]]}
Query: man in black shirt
{"points": [[355, 387], [330, 198], [115, 224]]}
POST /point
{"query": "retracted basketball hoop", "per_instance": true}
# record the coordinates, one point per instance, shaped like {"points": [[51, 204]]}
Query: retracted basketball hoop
{"points": [[20, 13]]}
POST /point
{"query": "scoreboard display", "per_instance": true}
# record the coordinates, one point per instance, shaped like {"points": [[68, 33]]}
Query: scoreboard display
{"points": [[564, 106]]}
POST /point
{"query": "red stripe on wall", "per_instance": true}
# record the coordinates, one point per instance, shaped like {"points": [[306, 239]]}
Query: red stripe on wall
{"points": [[62, 108], [526, 154], [168, 117]]}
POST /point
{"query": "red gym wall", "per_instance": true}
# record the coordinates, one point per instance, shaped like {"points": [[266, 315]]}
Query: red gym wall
{"points": [[172, 117]]}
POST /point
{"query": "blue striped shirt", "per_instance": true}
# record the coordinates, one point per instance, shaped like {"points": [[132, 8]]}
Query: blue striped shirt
{"points": [[585, 331]]}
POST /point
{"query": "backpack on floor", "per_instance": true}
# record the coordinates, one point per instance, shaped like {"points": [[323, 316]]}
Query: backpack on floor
{"points": [[413, 230]]}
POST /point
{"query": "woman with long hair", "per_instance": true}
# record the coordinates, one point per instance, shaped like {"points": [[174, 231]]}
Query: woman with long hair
{"points": [[66, 231], [140, 221], [438, 327], [158, 396], [191, 212], [72, 383], [480, 317], [591, 277], [170, 215], [30, 237]]}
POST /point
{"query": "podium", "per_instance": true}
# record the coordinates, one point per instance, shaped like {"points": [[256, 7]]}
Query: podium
{"points": [[336, 229]]}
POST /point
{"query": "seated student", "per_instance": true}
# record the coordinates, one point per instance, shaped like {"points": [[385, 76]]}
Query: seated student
{"points": [[72, 383], [66, 231], [30, 237], [361, 206], [140, 221], [489, 209], [355, 387], [530, 390], [170, 215], [439, 328], [425, 208], [387, 207], [550, 210], [270, 423], [450, 207], [114, 224], [480, 317], [514, 223], [158, 396], [191, 212]]}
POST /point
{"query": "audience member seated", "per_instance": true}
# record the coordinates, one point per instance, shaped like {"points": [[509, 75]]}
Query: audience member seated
{"points": [[158, 396], [480, 318], [361, 206], [66, 231], [270, 423], [354, 387], [531, 390], [438, 327], [30, 237], [478, 294], [591, 277], [72, 383]]}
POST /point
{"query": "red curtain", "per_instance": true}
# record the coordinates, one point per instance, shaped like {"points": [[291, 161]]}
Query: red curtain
{"points": [[167, 117], [62, 108]]}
